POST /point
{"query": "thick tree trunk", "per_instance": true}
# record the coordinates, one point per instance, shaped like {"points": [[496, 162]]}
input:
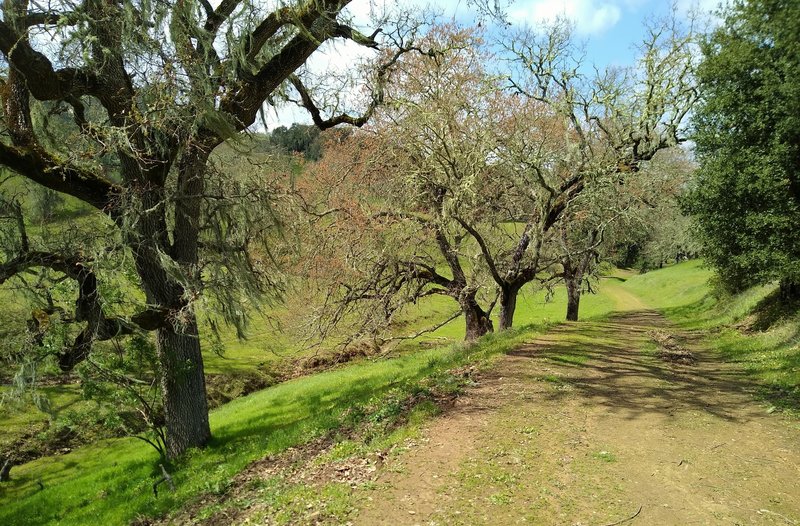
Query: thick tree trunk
{"points": [[178, 344], [476, 319], [508, 305], [184, 388], [573, 297]]}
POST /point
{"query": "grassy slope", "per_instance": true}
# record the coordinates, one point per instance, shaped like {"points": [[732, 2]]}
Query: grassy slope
{"points": [[744, 328], [110, 482], [265, 346]]}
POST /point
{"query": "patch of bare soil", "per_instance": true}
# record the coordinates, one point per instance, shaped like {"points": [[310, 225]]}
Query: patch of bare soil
{"points": [[306, 465], [289, 488], [671, 349], [581, 427]]}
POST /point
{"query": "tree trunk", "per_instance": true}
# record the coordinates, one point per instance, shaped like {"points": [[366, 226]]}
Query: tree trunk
{"points": [[184, 388], [477, 321], [789, 290], [573, 297], [508, 305], [178, 343]]}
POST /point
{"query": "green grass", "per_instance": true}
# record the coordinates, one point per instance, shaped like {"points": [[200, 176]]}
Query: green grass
{"points": [[110, 482], [532, 308], [266, 347], [749, 328], [21, 417], [673, 288]]}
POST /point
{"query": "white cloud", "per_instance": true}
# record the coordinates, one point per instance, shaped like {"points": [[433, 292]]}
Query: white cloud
{"points": [[704, 7], [590, 17]]}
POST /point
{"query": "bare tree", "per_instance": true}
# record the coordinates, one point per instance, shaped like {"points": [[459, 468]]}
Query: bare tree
{"points": [[607, 123], [424, 173], [613, 210]]}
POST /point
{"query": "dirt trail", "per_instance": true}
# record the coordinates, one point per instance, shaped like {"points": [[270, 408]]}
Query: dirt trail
{"points": [[584, 426]]}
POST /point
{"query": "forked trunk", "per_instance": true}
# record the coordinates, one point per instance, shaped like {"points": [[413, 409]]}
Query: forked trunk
{"points": [[178, 344], [184, 388]]}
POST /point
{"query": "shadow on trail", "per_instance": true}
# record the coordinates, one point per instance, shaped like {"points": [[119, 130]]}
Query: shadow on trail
{"points": [[604, 364]]}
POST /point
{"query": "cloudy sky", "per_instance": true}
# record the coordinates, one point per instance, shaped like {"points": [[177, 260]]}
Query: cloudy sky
{"points": [[609, 29]]}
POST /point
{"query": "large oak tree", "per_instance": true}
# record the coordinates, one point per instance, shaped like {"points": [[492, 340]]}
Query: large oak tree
{"points": [[153, 88]]}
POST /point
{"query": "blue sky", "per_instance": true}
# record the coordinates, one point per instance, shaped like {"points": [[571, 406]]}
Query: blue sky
{"points": [[609, 29]]}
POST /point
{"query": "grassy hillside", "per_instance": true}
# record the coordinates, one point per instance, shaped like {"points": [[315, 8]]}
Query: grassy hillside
{"points": [[751, 328], [266, 347], [110, 482]]}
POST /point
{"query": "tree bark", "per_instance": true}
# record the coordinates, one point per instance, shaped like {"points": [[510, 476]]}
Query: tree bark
{"points": [[508, 305], [177, 342], [789, 290], [573, 296], [183, 388], [476, 319]]}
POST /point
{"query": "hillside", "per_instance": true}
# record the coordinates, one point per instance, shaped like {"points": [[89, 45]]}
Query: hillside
{"points": [[378, 422]]}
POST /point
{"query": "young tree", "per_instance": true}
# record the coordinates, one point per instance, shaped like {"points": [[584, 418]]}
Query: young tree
{"points": [[614, 210], [745, 198], [153, 90]]}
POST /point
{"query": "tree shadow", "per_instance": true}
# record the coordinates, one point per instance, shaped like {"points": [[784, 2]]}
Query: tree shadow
{"points": [[772, 310], [622, 378]]}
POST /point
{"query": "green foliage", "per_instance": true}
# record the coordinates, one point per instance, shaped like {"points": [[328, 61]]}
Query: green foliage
{"points": [[123, 383], [299, 138], [746, 194]]}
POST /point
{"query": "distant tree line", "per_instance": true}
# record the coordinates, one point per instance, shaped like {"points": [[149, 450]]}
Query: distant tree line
{"points": [[298, 138]]}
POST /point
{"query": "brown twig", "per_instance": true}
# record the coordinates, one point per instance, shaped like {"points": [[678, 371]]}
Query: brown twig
{"points": [[628, 519], [165, 478]]}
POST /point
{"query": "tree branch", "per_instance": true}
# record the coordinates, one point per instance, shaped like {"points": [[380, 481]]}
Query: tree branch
{"points": [[43, 169], [487, 254], [44, 82]]}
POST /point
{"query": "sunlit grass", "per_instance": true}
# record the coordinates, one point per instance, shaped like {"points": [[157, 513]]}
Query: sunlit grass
{"points": [[110, 482], [770, 354]]}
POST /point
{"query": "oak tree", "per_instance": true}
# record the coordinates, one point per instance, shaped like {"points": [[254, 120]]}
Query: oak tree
{"points": [[152, 89], [745, 196]]}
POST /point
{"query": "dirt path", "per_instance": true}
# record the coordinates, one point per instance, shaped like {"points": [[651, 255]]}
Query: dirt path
{"points": [[587, 426]]}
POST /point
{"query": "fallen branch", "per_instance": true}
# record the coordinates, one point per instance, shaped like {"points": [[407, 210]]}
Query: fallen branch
{"points": [[628, 519], [165, 478], [424, 331], [671, 349], [5, 470]]}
